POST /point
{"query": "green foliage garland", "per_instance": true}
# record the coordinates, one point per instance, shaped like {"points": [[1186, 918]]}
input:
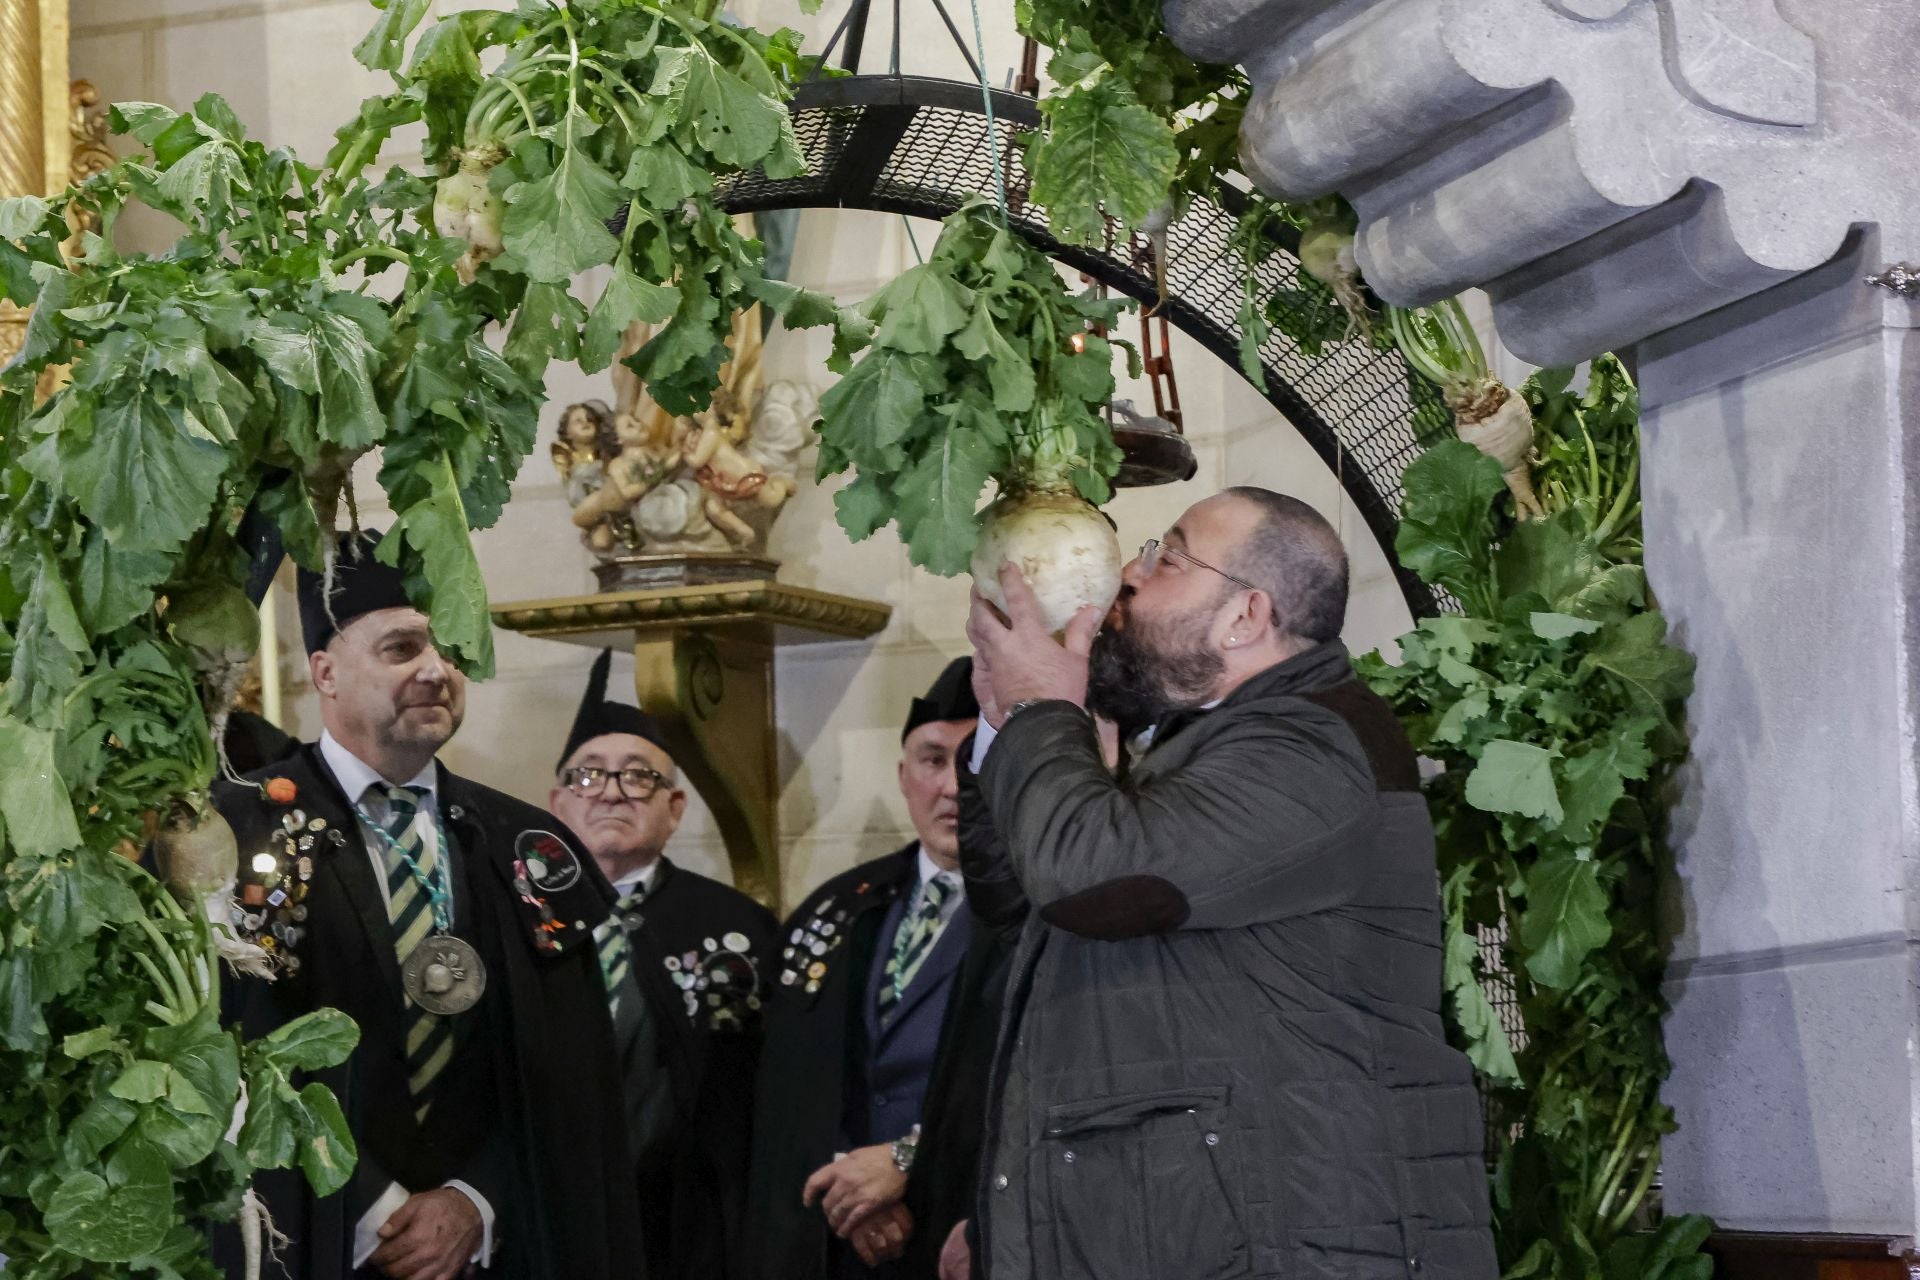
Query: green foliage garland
{"points": [[1552, 703], [304, 317]]}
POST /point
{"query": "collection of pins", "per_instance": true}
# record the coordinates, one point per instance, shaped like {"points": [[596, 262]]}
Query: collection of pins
{"points": [[809, 945], [719, 981], [272, 909]]}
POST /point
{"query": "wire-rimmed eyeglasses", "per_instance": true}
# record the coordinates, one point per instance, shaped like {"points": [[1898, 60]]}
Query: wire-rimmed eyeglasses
{"points": [[636, 783], [1153, 549]]}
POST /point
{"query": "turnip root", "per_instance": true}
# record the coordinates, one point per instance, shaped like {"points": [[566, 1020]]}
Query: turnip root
{"points": [[199, 861], [1497, 422], [1326, 254], [1062, 543], [259, 1238], [466, 208], [1440, 344]]}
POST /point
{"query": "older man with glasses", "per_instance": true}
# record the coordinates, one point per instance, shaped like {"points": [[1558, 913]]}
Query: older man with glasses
{"points": [[686, 961]]}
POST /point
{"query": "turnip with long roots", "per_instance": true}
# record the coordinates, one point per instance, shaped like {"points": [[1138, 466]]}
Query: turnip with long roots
{"points": [[1440, 344]]}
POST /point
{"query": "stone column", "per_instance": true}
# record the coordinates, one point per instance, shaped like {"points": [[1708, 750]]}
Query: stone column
{"points": [[1708, 181], [1781, 479]]}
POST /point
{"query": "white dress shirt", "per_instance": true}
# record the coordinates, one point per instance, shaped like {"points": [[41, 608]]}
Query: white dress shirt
{"points": [[931, 870], [642, 880], [354, 776]]}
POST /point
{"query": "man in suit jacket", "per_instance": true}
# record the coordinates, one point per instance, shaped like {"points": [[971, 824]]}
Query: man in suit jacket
{"points": [[688, 963], [454, 924], [856, 1027]]}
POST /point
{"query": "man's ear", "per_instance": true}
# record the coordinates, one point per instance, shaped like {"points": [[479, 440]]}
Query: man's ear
{"points": [[677, 806], [1261, 615], [320, 670]]}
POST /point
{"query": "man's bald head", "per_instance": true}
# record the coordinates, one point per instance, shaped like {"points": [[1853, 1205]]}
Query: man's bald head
{"points": [[1294, 556]]}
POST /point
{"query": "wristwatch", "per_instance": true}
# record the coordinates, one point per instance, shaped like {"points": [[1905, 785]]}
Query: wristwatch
{"points": [[904, 1149]]}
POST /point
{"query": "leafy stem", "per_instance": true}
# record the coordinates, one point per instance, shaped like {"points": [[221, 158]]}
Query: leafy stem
{"points": [[364, 251]]}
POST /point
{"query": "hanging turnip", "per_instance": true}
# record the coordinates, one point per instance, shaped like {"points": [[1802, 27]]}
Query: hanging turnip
{"points": [[983, 367], [1326, 254], [199, 861], [1440, 344]]}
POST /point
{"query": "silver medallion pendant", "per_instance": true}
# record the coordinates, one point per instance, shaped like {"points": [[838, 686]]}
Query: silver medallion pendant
{"points": [[444, 975]]}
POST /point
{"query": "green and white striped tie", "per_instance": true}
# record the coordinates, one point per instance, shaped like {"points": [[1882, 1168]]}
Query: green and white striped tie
{"points": [[429, 1036], [913, 941], [616, 949]]}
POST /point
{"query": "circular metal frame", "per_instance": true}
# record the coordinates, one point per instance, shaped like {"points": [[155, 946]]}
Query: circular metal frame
{"points": [[922, 147]]}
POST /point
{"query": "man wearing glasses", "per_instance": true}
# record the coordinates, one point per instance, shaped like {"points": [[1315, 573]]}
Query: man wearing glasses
{"points": [[686, 963], [1226, 1054]]}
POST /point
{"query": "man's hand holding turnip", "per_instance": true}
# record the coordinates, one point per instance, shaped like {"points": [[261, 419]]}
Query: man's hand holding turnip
{"points": [[1023, 662]]}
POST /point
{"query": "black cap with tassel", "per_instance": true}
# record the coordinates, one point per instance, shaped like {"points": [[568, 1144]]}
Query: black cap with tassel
{"points": [[597, 716]]}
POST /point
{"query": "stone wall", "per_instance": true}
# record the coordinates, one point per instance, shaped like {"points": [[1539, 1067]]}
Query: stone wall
{"points": [[1709, 182], [287, 69]]}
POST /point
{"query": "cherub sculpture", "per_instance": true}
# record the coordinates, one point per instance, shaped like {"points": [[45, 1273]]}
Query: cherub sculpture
{"points": [[609, 466], [710, 443], [641, 481]]}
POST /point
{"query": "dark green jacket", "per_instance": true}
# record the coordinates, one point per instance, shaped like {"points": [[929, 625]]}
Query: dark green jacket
{"points": [[1223, 1053]]}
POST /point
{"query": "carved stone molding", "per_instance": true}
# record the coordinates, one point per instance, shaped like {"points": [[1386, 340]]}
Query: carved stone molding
{"points": [[1721, 146]]}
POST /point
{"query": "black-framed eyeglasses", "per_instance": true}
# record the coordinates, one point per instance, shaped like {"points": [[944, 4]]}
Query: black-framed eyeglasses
{"points": [[636, 783], [1153, 549]]}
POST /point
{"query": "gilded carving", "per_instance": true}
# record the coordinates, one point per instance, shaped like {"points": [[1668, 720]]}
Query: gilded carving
{"points": [[766, 602]]}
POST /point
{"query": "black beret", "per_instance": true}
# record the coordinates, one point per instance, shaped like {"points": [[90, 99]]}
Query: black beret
{"points": [[361, 585], [950, 698]]}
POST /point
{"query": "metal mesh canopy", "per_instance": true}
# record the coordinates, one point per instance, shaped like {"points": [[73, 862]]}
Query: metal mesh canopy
{"points": [[922, 147]]}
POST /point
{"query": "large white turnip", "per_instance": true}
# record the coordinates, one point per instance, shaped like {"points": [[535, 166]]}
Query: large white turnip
{"points": [[199, 861], [1062, 543], [466, 208]]}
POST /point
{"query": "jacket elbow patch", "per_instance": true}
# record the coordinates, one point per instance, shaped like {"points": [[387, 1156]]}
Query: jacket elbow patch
{"points": [[1129, 907]]}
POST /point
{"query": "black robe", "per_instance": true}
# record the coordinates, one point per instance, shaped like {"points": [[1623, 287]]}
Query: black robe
{"points": [[705, 958], [520, 1111], [815, 1043]]}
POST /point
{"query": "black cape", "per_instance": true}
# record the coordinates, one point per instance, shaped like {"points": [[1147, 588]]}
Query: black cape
{"points": [[520, 1112], [705, 958], [814, 1041]]}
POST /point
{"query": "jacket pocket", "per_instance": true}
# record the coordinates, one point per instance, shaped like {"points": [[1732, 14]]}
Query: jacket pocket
{"points": [[1138, 1188]]}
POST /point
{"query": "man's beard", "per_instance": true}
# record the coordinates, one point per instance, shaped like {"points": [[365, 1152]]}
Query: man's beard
{"points": [[1139, 673]]}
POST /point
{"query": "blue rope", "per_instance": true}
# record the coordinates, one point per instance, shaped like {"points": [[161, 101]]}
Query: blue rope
{"points": [[986, 97]]}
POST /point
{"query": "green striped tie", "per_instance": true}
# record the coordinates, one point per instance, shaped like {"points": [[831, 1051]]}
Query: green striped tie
{"points": [[429, 1036], [616, 949], [913, 941]]}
